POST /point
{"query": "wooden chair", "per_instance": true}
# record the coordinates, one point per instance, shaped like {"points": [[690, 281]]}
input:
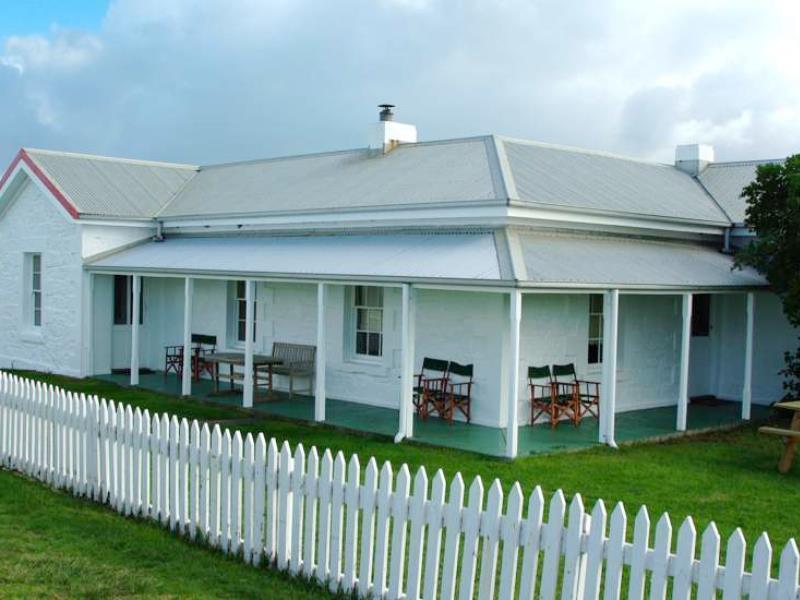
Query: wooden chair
{"points": [[173, 360], [588, 391], [458, 391], [540, 384], [566, 392], [428, 391], [203, 346]]}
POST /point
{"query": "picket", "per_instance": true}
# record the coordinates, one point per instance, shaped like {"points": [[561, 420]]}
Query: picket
{"points": [[381, 568], [399, 531], [378, 537], [471, 526], [324, 486], [351, 497], [259, 473], [296, 527], [310, 492], [367, 505], [416, 518], [433, 524]]}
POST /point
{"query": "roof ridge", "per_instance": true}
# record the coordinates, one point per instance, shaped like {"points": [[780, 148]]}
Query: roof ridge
{"points": [[746, 163], [362, 149], [578, 150], [133, 161]]}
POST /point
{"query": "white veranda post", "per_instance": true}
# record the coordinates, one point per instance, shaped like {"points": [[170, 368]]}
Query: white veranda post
{"points": [[683, 384], [136, 286], [747, 388], [608, 389], [188, 291], [406, 408], [512, 388], [248, 381], [321, 359]]}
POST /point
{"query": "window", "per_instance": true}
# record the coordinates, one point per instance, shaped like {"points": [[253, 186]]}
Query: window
{"points": [[240, 304], [595, 353], [34, 300], [701, 315], [368, 320], [123, 301]]}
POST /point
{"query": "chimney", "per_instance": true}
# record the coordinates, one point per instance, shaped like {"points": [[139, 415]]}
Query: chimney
{"points": [[387, 133], [693, 158]]}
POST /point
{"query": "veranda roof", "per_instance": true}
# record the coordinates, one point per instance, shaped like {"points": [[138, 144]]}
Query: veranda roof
{"points": [[527, 258], [469, 257]]}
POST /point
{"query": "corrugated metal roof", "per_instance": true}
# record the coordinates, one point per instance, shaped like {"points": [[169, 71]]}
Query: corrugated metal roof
{"points": [[725, 181], [554, 259], [459, 256], [411, 174], [578, 179], [111, 187]]}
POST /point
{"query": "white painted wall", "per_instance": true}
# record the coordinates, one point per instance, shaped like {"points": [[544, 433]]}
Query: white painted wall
{"points": [[34, 223], [97, 239], [773, 336]]}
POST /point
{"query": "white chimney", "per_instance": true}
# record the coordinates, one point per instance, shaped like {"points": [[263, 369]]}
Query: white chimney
{"points": [[693, 158], [387, 133]]}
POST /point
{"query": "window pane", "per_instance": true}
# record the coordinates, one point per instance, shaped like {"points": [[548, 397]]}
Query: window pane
{"points": [[375, 296], [242, 309], [596, 303], [361, 319], [594, 326], [359, 295], [361, 343], [241, 330], [37, 281], [240, 289], [37, 317], [36, 263], [374, 320], [375, 344], [120, 300], [594, 353], [37, 300]]}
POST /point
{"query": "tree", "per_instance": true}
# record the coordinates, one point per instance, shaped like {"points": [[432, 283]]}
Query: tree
{"points": [[773, 213]]}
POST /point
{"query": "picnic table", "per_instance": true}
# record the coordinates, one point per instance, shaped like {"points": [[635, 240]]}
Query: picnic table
{"points": [[792, 435], [236, 359]]}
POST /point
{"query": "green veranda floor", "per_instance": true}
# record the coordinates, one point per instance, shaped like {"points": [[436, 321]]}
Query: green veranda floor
{"points": [[631, 426]]}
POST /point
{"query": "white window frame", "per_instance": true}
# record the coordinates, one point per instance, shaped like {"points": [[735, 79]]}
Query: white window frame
{"points": [[237, 312], [352, 324], [595, 339], [33, 315]]}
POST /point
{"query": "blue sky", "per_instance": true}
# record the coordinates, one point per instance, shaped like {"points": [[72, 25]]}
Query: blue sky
{"points": [[25, 17], [204, 81]]}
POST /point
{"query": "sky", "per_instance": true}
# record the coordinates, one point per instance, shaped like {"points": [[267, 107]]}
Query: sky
{"points": [[222, 80]]}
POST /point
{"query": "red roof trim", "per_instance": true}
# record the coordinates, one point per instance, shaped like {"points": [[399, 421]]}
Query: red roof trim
{"points": [[51, 187]]}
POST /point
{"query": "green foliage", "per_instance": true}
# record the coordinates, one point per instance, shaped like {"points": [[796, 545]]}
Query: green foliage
{"points": [[773, 213]]}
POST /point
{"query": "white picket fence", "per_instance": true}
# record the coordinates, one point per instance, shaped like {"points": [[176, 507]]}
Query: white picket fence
{"points": [[377, 533]]}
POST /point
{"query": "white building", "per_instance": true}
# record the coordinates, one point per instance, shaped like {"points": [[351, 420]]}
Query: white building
{"points": [[493, 251]]}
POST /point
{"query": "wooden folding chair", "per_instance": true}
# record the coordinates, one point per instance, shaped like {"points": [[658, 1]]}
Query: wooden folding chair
{"points": [[458, 391], [430, 386], [588, 391], [566, 391]]}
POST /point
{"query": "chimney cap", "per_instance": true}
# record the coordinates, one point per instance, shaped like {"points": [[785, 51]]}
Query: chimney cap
{"points": [[386, 113]]}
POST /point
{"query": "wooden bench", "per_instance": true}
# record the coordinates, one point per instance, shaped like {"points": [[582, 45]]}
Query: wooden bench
{"points": [[296, 361], [792, 437]]}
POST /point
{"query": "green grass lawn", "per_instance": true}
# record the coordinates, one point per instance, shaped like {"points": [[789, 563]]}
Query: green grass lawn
{"points": [[55, 545], [728, 477]]}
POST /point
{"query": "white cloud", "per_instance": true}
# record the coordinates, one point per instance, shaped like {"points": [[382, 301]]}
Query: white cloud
{"points": [[223, 80]]}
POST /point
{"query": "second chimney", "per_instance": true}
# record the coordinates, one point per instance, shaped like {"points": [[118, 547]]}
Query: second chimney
{"points": [[693, 158], [387, 133]]}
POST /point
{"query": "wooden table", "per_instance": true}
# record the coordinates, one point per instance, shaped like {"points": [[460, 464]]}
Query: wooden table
{"points": [[236, 359], [792, 438]]}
